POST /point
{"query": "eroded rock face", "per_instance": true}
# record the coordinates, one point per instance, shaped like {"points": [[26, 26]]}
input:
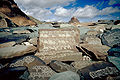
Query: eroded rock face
{"points": [[37, 68], [11, 10]]}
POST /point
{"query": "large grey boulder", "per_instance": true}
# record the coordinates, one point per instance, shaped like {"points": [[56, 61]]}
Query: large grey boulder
{"points": [[68, 75], [111, 37]]}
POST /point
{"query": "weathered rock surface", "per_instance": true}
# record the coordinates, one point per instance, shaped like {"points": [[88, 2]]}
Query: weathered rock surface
{"points": [[60, 56], [93, 40], [82, 64], [58, 44], [59, 66], [114, 56], [11, 10], [58, 39], [18, 50], [37, 68], [111, 37], [114, 51], [94, 51], [68, 75], [7, 44], [99, 71]]}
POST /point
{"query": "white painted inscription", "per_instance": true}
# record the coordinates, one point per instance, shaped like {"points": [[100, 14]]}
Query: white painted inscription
{"points": [[58, 39]]}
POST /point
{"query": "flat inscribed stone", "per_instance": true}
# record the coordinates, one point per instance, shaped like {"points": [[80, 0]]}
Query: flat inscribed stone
{"points": [[58, 39]]}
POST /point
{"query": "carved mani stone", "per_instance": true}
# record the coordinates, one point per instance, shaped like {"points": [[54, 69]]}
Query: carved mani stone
{"points": [[58, 39], [55, 44]]}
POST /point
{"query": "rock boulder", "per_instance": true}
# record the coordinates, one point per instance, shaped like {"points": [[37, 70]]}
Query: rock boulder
{"points": [[15, 51]]}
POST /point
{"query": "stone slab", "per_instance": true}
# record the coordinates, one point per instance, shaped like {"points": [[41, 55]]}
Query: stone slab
{"points": [[58, 39], [15, 51], [61, 56], [7, 44], [95, 51]]}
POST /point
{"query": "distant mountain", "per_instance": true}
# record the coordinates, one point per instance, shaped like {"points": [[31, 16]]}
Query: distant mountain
{"points": [[12, 11]]}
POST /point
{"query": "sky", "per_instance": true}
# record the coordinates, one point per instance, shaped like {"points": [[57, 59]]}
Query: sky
{"points": [[64, 10]]}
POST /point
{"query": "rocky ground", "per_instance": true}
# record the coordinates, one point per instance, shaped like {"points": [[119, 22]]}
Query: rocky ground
{"points": [[34, 50], [98, 51]]}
